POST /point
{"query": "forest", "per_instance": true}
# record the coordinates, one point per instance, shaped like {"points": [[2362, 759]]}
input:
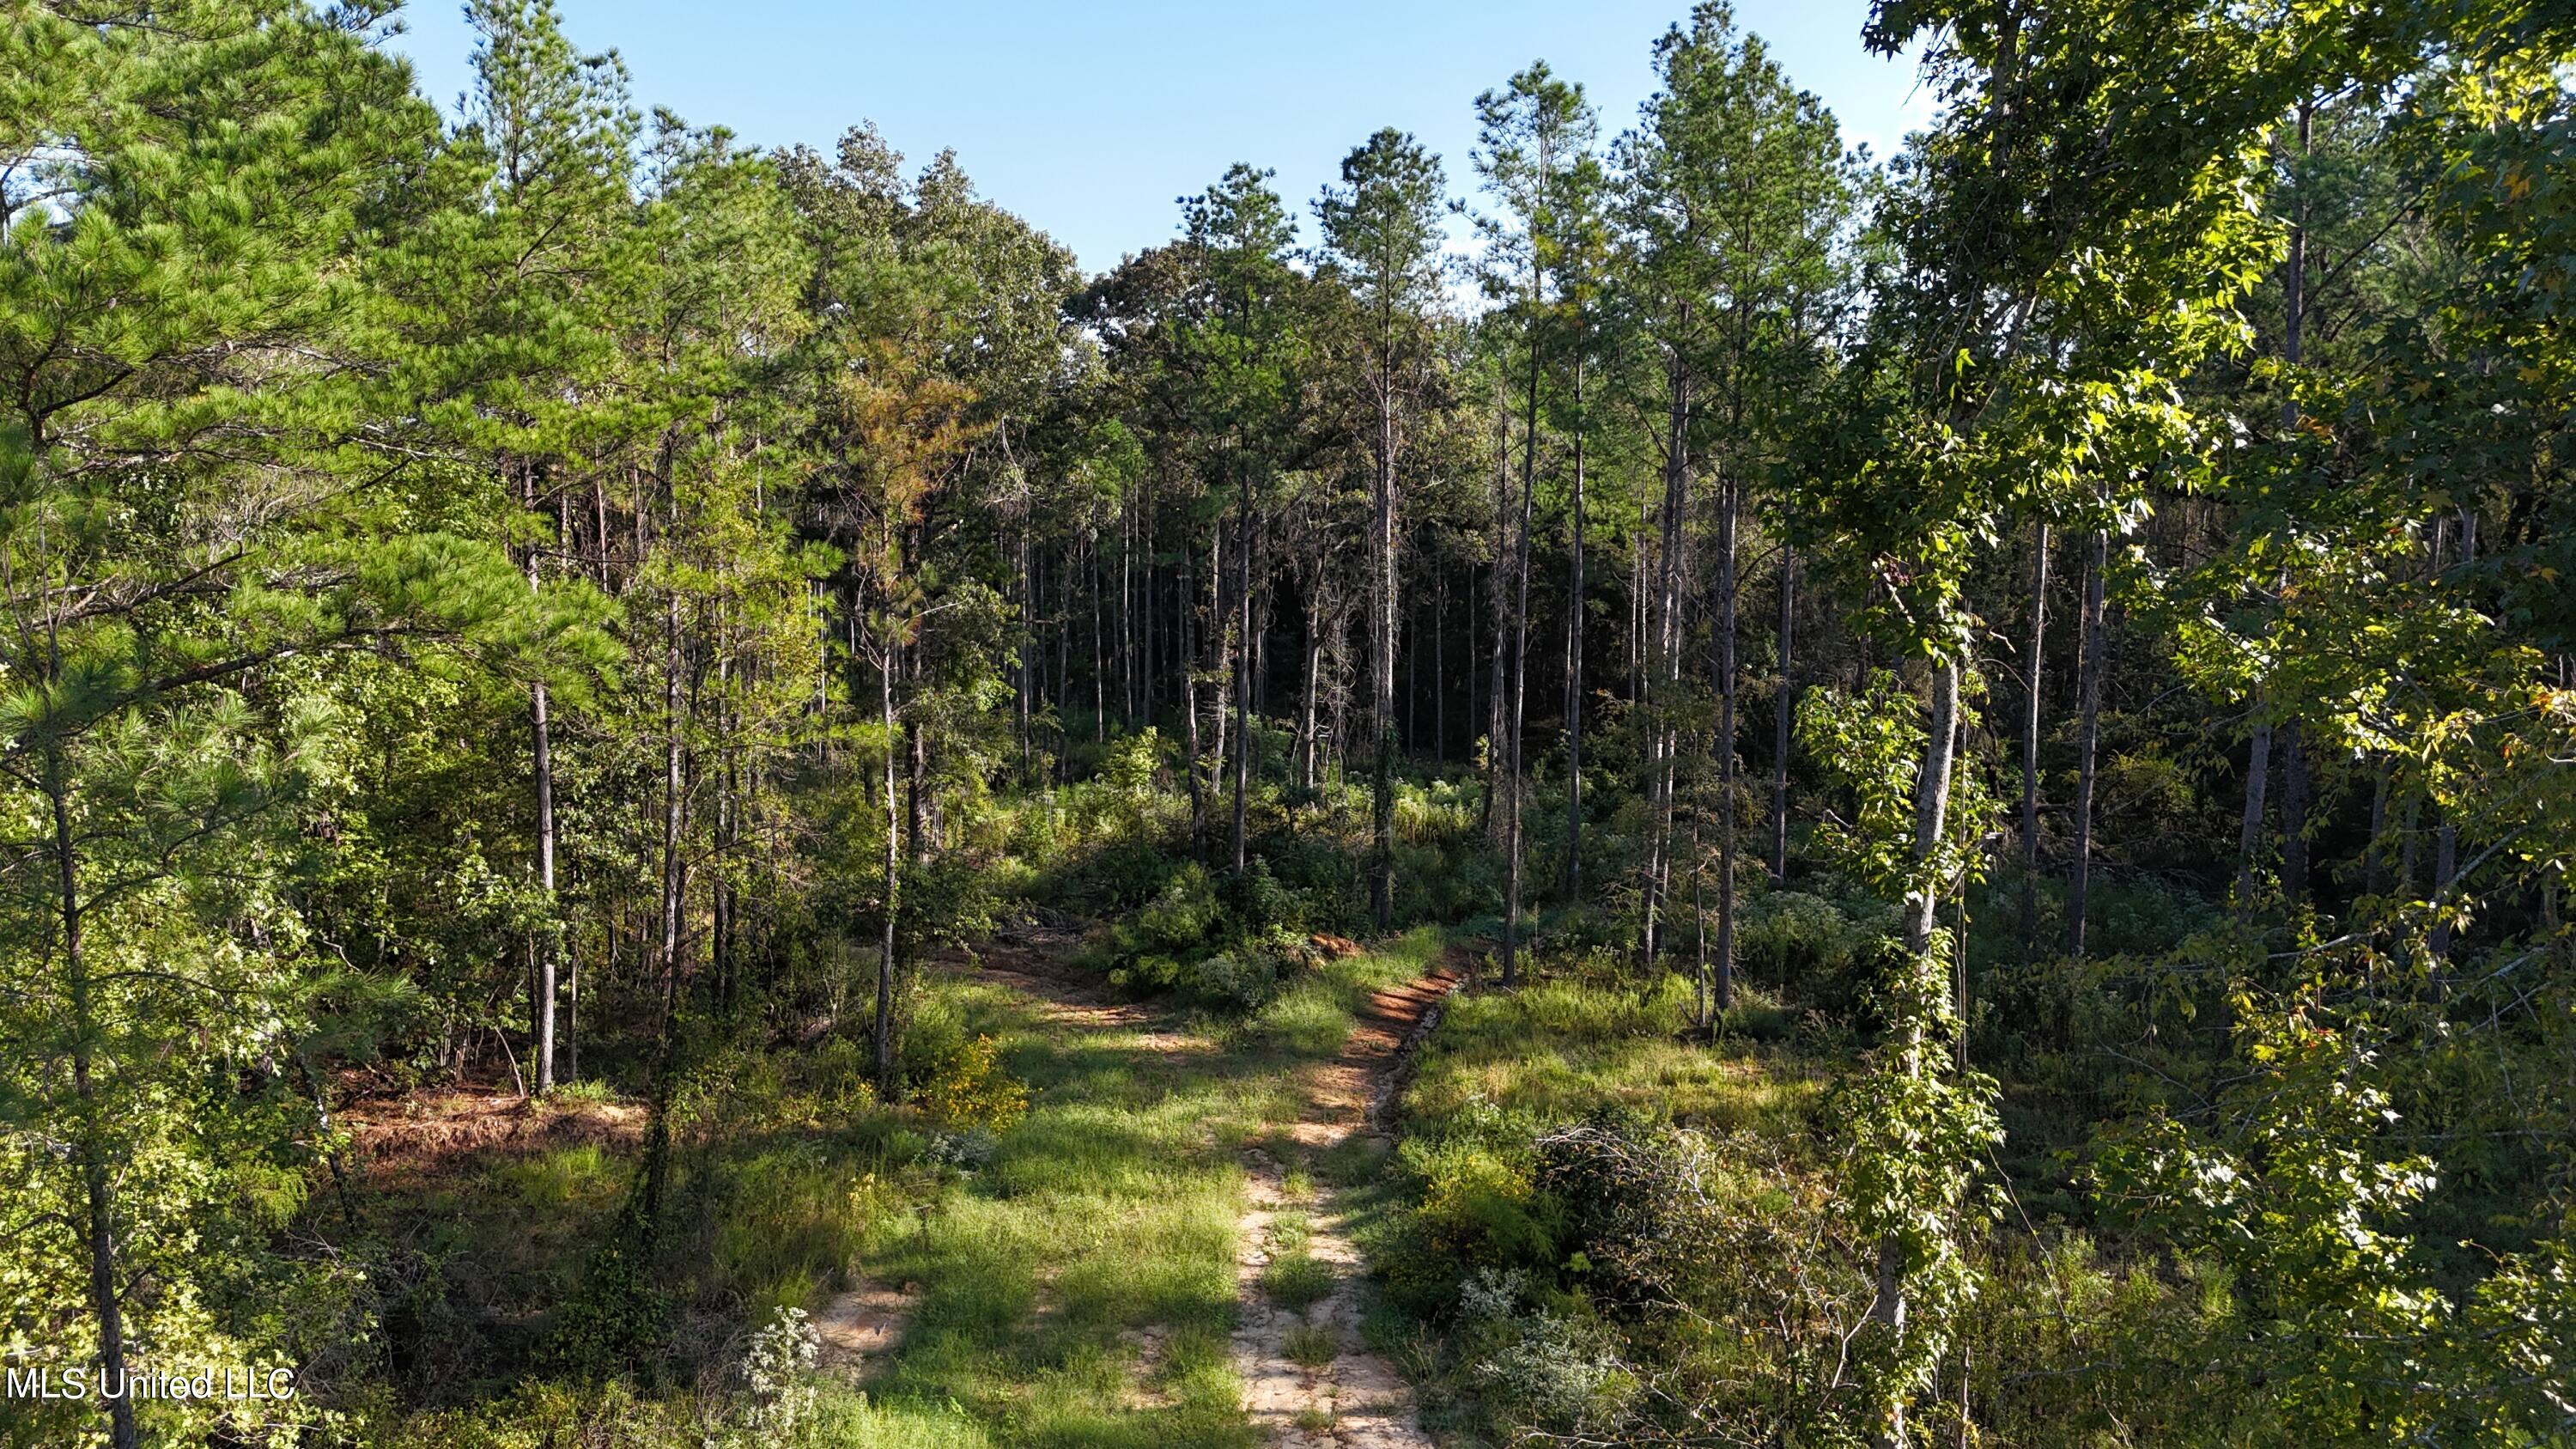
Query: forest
{"points": [[1664, 784]]}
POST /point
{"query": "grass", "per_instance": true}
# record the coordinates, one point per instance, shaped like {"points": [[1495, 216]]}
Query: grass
{"points": [[1111, 1207], [1504, 1067], [1312, 1345], [1297, 1282], [1555, 1049], [1104, 1217]]}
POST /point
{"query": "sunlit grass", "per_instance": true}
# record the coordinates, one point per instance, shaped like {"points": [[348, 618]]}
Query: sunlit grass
{"points": [[1556, 1049]]}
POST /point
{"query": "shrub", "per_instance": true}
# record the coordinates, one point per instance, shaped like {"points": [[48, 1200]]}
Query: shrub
{"points": [[967, 1088], [1235, 981], [1633, 1199], [1796, 938], [778, 1377], [1478, 1209], [1182, 915], [1539, 1369]]}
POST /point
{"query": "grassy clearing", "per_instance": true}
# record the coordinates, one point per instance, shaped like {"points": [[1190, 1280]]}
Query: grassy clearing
{"points": [[1555, 1049], [1073, 1275]]}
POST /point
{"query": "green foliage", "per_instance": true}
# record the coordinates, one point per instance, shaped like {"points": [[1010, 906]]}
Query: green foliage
{"points": [[966, 1089]]}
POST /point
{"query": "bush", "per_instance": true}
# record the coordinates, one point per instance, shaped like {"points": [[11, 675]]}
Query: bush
{"points": [[1181, 916], [1633, 1200], [967, 1088], [1539, 1369], [1824, 950], [1478, 1209]]}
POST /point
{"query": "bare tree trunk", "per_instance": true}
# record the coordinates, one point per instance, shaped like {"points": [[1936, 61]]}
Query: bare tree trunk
{"points": [[1190, 705], [1221, 668], [572, 1018], [2258, 772], [889, 1087], [2446, 840], [1382, 598], [1498, 584], [1306, 743], [721, 934], [1023, 647], [2294, 814], [1440, 669], [674, 862], [1662, 745], [1243, 657], [2377, 852], [1785, 718], [1703, 1013], [1127, 616], [1574, 667], [2446, 869], [2295, 785], [1099, 642], [1519, 690], [1722, 649], [542, 750], [2032, 659], [2088, 740]]}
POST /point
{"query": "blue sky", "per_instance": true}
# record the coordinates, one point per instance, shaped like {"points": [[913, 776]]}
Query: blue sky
{"points": [[1089, 120]]}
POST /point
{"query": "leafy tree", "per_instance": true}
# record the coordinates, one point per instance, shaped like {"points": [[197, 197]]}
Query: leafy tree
{"points": [[198, 523]]}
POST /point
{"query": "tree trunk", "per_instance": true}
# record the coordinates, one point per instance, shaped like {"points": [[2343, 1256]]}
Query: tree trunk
{"points": [[2376, 878], [1306, 777], [1243, 665], [674, 863], [2249, 838], [1574, 667], [1662, 746], [1519, 688], [2088, 740], [97, 1182], [2295, 800], [2032, 660], [1440, 671], [888, 1087], [1785, 719], [1189, 672], [1498, 586], [2446, 869], [1922, 906], [1023, 646], [1722, 651], [542, 751], [1382, 599], [2295, 785]]}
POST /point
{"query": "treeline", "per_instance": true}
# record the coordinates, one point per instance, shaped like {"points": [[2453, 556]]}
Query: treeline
{"points": [[538, 598]]}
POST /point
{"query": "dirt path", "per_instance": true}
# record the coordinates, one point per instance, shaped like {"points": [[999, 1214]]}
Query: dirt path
{"points": [[1309, 1381]]}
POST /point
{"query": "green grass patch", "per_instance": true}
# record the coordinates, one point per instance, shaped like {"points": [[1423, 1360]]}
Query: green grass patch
{"points": [[1312, 1345], [1297, 1281]]}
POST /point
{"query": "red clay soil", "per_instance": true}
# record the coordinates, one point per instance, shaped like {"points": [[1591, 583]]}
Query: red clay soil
{"points": [[428, 1130], [1356, 1087]]}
